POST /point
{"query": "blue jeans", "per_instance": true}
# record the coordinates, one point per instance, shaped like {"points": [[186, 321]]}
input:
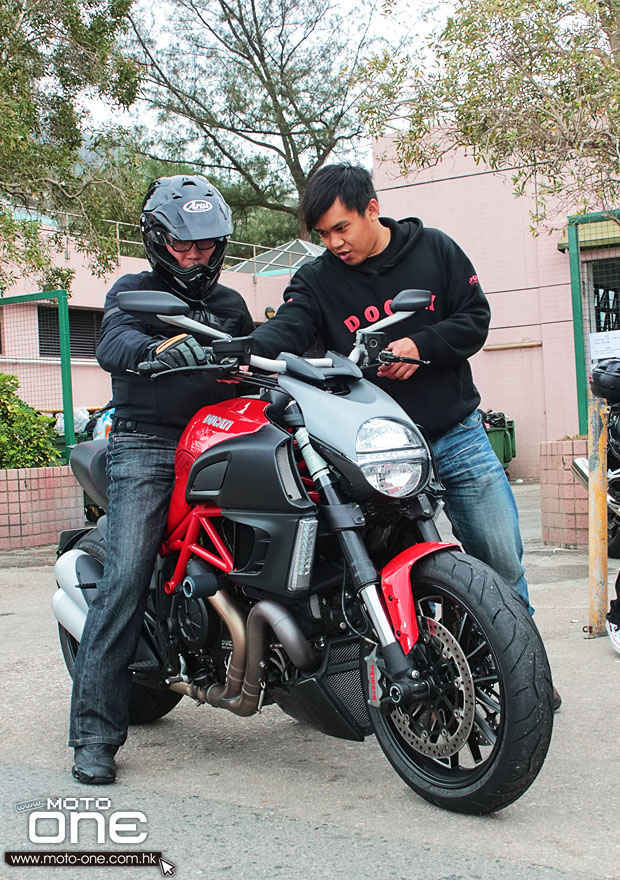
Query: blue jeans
{"points": [[141, 476], [479, 501]]}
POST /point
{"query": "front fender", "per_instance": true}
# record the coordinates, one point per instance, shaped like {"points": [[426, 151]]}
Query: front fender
{"points": [[396, 589]]}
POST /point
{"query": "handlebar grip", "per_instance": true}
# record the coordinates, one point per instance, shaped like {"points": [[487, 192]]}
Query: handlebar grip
{"points": [[148, 368], [387, 357]]}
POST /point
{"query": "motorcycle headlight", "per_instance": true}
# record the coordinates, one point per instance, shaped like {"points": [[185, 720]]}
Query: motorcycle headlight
{"points": [[392, 456]]}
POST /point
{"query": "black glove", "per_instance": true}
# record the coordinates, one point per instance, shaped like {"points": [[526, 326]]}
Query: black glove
{"points": [[180, 351]]}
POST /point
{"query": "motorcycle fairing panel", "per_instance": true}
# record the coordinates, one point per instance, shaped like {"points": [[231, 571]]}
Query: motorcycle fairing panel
{"points": [[396, 589], [334, 427], [233, 462]]}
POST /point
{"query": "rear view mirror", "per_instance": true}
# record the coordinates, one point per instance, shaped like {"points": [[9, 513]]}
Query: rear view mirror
{"points": [[145, 303], [411, 300]]}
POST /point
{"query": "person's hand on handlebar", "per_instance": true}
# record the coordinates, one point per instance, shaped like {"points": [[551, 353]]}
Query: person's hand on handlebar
{"points": [[403, 348], [180, 351]]}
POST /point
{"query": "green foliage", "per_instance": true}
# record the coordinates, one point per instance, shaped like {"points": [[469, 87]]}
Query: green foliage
{"points": [[529, 84], [256, 225], [264, 227], [27, 438], [53, 56], [26, 249]]}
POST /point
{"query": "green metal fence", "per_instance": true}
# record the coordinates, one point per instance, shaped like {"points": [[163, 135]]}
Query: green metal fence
{"points": [[44, 378], [594, 251]]}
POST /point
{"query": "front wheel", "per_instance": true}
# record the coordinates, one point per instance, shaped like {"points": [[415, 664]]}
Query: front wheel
{"points": [[478, 742]]}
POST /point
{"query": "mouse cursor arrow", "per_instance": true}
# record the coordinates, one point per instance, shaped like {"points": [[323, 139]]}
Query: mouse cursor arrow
{"points": [[167, 868]]}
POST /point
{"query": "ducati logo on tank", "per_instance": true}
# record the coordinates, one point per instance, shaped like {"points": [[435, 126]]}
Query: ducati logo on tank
{"points": [[197, 206], [217, 422]]}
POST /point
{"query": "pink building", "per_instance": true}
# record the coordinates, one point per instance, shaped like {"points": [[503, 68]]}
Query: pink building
{"points": [[29, 338]]}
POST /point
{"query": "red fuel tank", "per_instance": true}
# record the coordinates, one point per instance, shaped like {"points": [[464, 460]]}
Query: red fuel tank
{"points": [[208, 427]]}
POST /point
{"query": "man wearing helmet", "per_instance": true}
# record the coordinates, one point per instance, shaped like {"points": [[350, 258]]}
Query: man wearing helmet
{"points": [[185, 225], [177, 212]]}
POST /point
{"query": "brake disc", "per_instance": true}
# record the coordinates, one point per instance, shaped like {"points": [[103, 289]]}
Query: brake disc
{"points": [[440, 726]]}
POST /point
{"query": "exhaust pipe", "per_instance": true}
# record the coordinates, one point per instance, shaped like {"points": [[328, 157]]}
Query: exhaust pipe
{"points": [[69, 603], [581, 469], [265, 615], [236, 623], [248, 663]]}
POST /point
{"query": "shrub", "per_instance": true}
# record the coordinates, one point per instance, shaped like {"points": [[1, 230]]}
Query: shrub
{"points": [[27, 437]]}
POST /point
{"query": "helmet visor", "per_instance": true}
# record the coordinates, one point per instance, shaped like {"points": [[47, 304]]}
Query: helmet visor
{"points": [[180, 246]]}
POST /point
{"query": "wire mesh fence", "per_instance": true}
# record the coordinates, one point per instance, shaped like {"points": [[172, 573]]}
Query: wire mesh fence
{"points": [[594, 244], [35, 347], [240, 256]]}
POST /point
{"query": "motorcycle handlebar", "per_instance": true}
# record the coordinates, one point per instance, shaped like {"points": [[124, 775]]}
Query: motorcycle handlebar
{"points": [[268, 365], [388, 357]]}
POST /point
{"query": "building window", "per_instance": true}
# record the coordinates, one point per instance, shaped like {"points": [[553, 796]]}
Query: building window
{"points": [[604, 282], [84, 329]]}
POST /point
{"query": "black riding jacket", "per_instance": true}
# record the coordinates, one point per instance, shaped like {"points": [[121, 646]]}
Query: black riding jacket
{"points": [[166, 404]]}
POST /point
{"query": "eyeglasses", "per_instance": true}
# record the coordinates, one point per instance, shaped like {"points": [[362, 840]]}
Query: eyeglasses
{"points": [[181, 247]]}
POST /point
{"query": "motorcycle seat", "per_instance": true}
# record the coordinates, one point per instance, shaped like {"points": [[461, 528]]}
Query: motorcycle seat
{"points": [[87, 462]]}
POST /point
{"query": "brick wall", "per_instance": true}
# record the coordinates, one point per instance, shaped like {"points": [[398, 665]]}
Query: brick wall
{"points": [[564, 501], [36, 504]]}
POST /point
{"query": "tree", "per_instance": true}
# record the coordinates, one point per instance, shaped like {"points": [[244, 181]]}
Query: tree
{"points": [[261, 90], [53, 55], [529, 84]]}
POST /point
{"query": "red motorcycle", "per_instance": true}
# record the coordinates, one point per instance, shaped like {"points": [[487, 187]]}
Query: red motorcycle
{"points": [[302, 566]]}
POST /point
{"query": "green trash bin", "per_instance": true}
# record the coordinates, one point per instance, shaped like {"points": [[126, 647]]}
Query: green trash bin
{"points": [[502, 439]]}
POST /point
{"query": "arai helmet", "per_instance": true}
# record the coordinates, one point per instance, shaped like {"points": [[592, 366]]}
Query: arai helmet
{"points": [[185, 208]]}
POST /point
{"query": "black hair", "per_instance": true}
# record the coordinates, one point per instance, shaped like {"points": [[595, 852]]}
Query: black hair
{"points": [[352, 184]]}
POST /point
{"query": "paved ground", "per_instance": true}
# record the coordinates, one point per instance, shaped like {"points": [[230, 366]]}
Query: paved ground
{"points": [[267, 798]]}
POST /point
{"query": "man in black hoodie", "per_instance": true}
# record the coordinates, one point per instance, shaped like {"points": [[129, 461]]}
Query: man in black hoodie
{"points": [[367, 261]]}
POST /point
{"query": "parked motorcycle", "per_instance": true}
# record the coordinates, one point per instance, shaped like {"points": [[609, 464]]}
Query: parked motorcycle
{"points": [[605, 383], [302, 566]]}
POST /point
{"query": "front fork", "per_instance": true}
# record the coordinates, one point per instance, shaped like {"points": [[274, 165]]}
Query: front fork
{"points": [[344, 519]]}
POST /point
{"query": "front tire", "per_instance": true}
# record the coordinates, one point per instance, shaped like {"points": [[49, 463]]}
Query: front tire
{"points": [[478, 742], [145, 704]]}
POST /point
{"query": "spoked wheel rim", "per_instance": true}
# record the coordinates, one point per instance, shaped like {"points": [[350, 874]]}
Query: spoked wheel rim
{"points": [[452, 737], [441, 726]]}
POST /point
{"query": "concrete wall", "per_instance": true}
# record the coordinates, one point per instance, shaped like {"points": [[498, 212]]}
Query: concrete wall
{"points": [[36, 504], [527, 367], [258, 292]]}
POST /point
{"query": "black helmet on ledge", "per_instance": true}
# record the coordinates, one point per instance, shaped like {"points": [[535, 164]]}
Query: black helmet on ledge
{"points": [[185, 208], [605, 379]]}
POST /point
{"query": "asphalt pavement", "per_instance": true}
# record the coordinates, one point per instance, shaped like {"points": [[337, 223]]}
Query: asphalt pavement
{"points": [[266, 798]]}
